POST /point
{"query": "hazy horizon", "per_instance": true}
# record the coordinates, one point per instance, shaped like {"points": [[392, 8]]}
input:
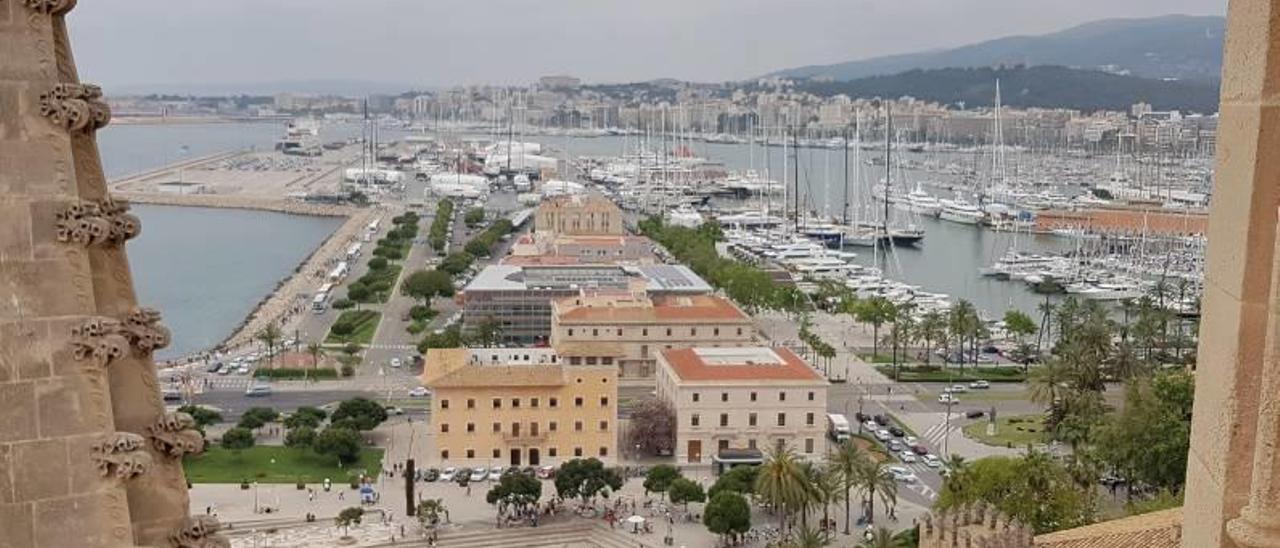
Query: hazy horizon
{"points": [[146, 45]]}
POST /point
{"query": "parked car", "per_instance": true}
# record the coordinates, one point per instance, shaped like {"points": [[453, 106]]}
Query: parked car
{"points": [[881, 420], [213, 367], [910, 440], [547, 472], [975, 414], [947, 399], [870, 425], [393, 410], [395, 362], [243, 370], [258, 391], [959, 389], [448, 474], [920, 449], [529, 471], [895, 446], [862, 417], [883, 435], [479, 474], [980, 385], [907, 455], [897, 432], [932, 461], [902, 474], [431, 474], [495, 473], [419, 392]]}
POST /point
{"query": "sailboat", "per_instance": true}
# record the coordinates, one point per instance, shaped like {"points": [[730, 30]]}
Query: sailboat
{"points": [[910, 235]]}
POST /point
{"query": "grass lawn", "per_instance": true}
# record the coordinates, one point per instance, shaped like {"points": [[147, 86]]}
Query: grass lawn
{"points": [[218, 465], [1017, 431], [937, 374], [365, 322]]}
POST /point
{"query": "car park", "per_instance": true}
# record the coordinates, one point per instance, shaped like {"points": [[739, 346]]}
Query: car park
{"points": [[448, 474]]}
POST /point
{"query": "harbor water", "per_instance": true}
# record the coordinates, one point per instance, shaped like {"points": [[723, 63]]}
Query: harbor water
{"points": [[206, 269]]}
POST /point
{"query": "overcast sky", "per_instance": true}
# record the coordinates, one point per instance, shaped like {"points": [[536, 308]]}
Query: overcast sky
{"points": [[131, 43]]}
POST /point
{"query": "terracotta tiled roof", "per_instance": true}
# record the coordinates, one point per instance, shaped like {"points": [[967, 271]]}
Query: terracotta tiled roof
{"points": [[691, 364], [1154, 530], [440, 362], [692, 308]]}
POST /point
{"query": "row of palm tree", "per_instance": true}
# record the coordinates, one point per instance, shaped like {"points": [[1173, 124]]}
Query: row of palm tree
{"points": [[794, 487]]}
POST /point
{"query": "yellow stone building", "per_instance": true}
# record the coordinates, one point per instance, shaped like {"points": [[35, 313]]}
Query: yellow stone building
{"points": [[640, 326], [519, 407], [579, 215]]}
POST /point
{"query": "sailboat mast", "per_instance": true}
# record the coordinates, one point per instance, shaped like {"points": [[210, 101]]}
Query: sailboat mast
{"points": [[846, 177], [795, 149], [888, 162]]}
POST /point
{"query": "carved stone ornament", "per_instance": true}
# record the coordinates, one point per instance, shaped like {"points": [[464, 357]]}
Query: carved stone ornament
{"points": [[121, 455], [105, 340], [77, 107], [99, 339], [146, 334], [198, 532], [50, 7], [175, 435], [102, 223]]}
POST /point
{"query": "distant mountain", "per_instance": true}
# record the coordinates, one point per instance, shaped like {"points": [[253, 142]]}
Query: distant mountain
{"points": [[1172, 46], [1041, 86]]}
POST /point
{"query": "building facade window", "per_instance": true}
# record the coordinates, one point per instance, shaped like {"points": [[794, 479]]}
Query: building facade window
{"points": [[497, 403], [751, 419], [810, 395], [808, 419], [515, 403], [444, 428], [695, 397], [444, 404], [497, 453], [471, 427], [753, 396], [553, 402], [533, 402], [604, 401], [808, 445], [552, 426], [782, 396], [444, 454], [497, 427], [551, 451], [577, 401], [577, 426], [724, 396], [782, 419], [471, 453], [693, 420], [577, 451], [604, 426], [471, 403], [724, 419], [604, 451]]}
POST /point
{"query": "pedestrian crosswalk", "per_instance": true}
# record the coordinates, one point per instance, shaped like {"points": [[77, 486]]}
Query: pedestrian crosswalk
{"points": [[935, 434]]}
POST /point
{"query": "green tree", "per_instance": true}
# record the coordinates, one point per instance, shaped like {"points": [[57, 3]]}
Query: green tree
{"points": [[474, 216], [884, 538], [429, 512], [378, 263], [316, 350], [364, 413], [237, 438], [875, 480], [348, 517], [342, 443], [515, 489], [683, 491], [425, 284], [739, 479], [1035, 489], [342, 329], [828, 487], [301, 436], [488, 332], [932, 329], [659, 478], [270, 335], [727, 515], [806, 538], [256, 417], [1147, 442], [585, 478], [305, 416], [202, 415]]}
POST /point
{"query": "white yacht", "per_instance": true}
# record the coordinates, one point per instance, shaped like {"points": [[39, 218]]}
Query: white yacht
{"points": [[961, 211], [921, 203], [685, 216]]}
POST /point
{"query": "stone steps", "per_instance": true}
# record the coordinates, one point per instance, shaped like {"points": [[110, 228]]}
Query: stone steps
{"points": [[575, 533]]}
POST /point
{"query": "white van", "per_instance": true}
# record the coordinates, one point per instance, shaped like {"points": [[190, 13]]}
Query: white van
{"points": [[838, 427]]}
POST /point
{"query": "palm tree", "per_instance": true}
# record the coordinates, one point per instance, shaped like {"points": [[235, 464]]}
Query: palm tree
{"points": [[316, 352], [876, 311], [876, 479], [1046, 383], [829, 488], [781, 483], [807, 538], [848, 459], [1046, 312], [269, 336]]}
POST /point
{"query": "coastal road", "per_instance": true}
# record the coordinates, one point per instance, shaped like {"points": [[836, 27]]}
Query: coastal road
{"points": [[233, 403]]}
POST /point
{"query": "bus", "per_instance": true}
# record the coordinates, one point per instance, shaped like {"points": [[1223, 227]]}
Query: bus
{"points": [[373, 225], [320, 302], [339, 272]]}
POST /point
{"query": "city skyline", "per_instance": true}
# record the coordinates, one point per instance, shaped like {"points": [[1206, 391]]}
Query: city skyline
{"points": [[410, 45]]}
